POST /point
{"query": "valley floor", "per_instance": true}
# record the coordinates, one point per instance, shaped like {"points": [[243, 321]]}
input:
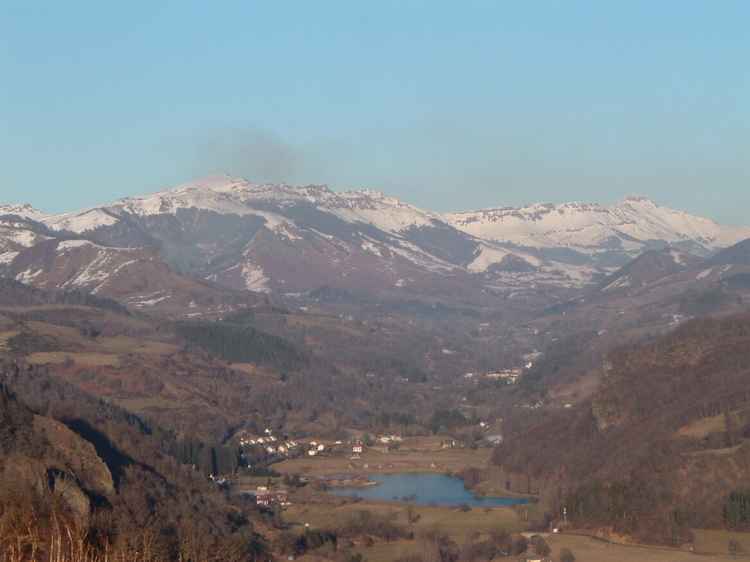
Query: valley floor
{"points": [[415, 455], [711, 546]]}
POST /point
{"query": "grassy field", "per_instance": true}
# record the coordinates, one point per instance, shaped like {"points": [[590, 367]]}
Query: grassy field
{"points": [[705, 426], [591, 550], [5, 337], [451, 521], [718, 541], [87, 359], [255, 371], [73, 340], [142, 404], [125, 344]]}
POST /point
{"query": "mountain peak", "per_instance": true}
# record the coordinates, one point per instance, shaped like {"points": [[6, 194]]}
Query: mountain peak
{"points": [[216, 182], [24, 210], [640, 199]]}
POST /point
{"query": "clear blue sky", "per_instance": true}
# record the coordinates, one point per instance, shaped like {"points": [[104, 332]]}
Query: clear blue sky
{"points": [[447, 104]]}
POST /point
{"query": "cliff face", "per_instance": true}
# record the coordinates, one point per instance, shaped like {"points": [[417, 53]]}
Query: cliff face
{"points": [[76, 456], [43, 455]]}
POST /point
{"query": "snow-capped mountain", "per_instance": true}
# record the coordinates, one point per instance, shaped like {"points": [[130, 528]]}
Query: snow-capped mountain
{"points": [[631, 225], [265, 237], [232, 196], [228, 232]]}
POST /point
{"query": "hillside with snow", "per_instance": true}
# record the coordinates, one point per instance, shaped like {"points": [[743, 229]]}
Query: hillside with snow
{"points": [[632, 225], [264, 238]]}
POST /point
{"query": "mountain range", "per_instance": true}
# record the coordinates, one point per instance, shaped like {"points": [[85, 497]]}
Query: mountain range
{"points": [[211, 244]]}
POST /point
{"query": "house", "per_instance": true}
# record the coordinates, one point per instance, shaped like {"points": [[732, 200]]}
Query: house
{"points": [[510, 376], [268, 498], [449, 444], [357, 449]]}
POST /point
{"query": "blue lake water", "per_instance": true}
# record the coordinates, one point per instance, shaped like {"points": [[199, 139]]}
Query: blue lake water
{"points": [[423, 489]]}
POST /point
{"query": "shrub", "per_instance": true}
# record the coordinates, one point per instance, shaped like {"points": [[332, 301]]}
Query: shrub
{"points": [[566, 555]]}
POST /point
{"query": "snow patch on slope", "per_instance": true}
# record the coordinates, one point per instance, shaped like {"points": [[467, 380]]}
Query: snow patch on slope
{"points": [[491, 255], [371, 248], [81, 222], [21, 237], [372, 207], [8, 257], [678, 257], [29, 275], [255, 278], [620, 283], [705, 273]]}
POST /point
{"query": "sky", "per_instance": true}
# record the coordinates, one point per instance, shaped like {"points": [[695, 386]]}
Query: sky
{"points": [[447, 105]]}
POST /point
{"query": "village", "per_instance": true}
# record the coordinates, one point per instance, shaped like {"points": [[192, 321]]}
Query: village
{"points": [[273, 449], [332, 463]]}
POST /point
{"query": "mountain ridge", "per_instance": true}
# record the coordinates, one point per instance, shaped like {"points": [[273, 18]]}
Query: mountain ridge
{"points": [[364, 199], [290, 239]]}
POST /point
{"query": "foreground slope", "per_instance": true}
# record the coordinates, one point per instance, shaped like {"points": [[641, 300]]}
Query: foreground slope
{"points": [[83, 480]]}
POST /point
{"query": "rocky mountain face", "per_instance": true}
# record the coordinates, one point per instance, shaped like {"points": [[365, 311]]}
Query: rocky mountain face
{"points": [[190, 243]]}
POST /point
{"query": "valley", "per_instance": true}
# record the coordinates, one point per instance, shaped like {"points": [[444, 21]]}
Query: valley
{"points": [[374, 282], [274, 343]]}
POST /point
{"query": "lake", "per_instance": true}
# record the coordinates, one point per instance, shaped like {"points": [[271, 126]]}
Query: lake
{"points": [[423, 489]]}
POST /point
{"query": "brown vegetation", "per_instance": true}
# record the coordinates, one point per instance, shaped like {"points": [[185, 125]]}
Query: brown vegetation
{"points": [[623, 458]]}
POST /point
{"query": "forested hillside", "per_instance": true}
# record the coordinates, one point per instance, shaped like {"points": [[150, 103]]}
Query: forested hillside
{"points": [[661, 447]]}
